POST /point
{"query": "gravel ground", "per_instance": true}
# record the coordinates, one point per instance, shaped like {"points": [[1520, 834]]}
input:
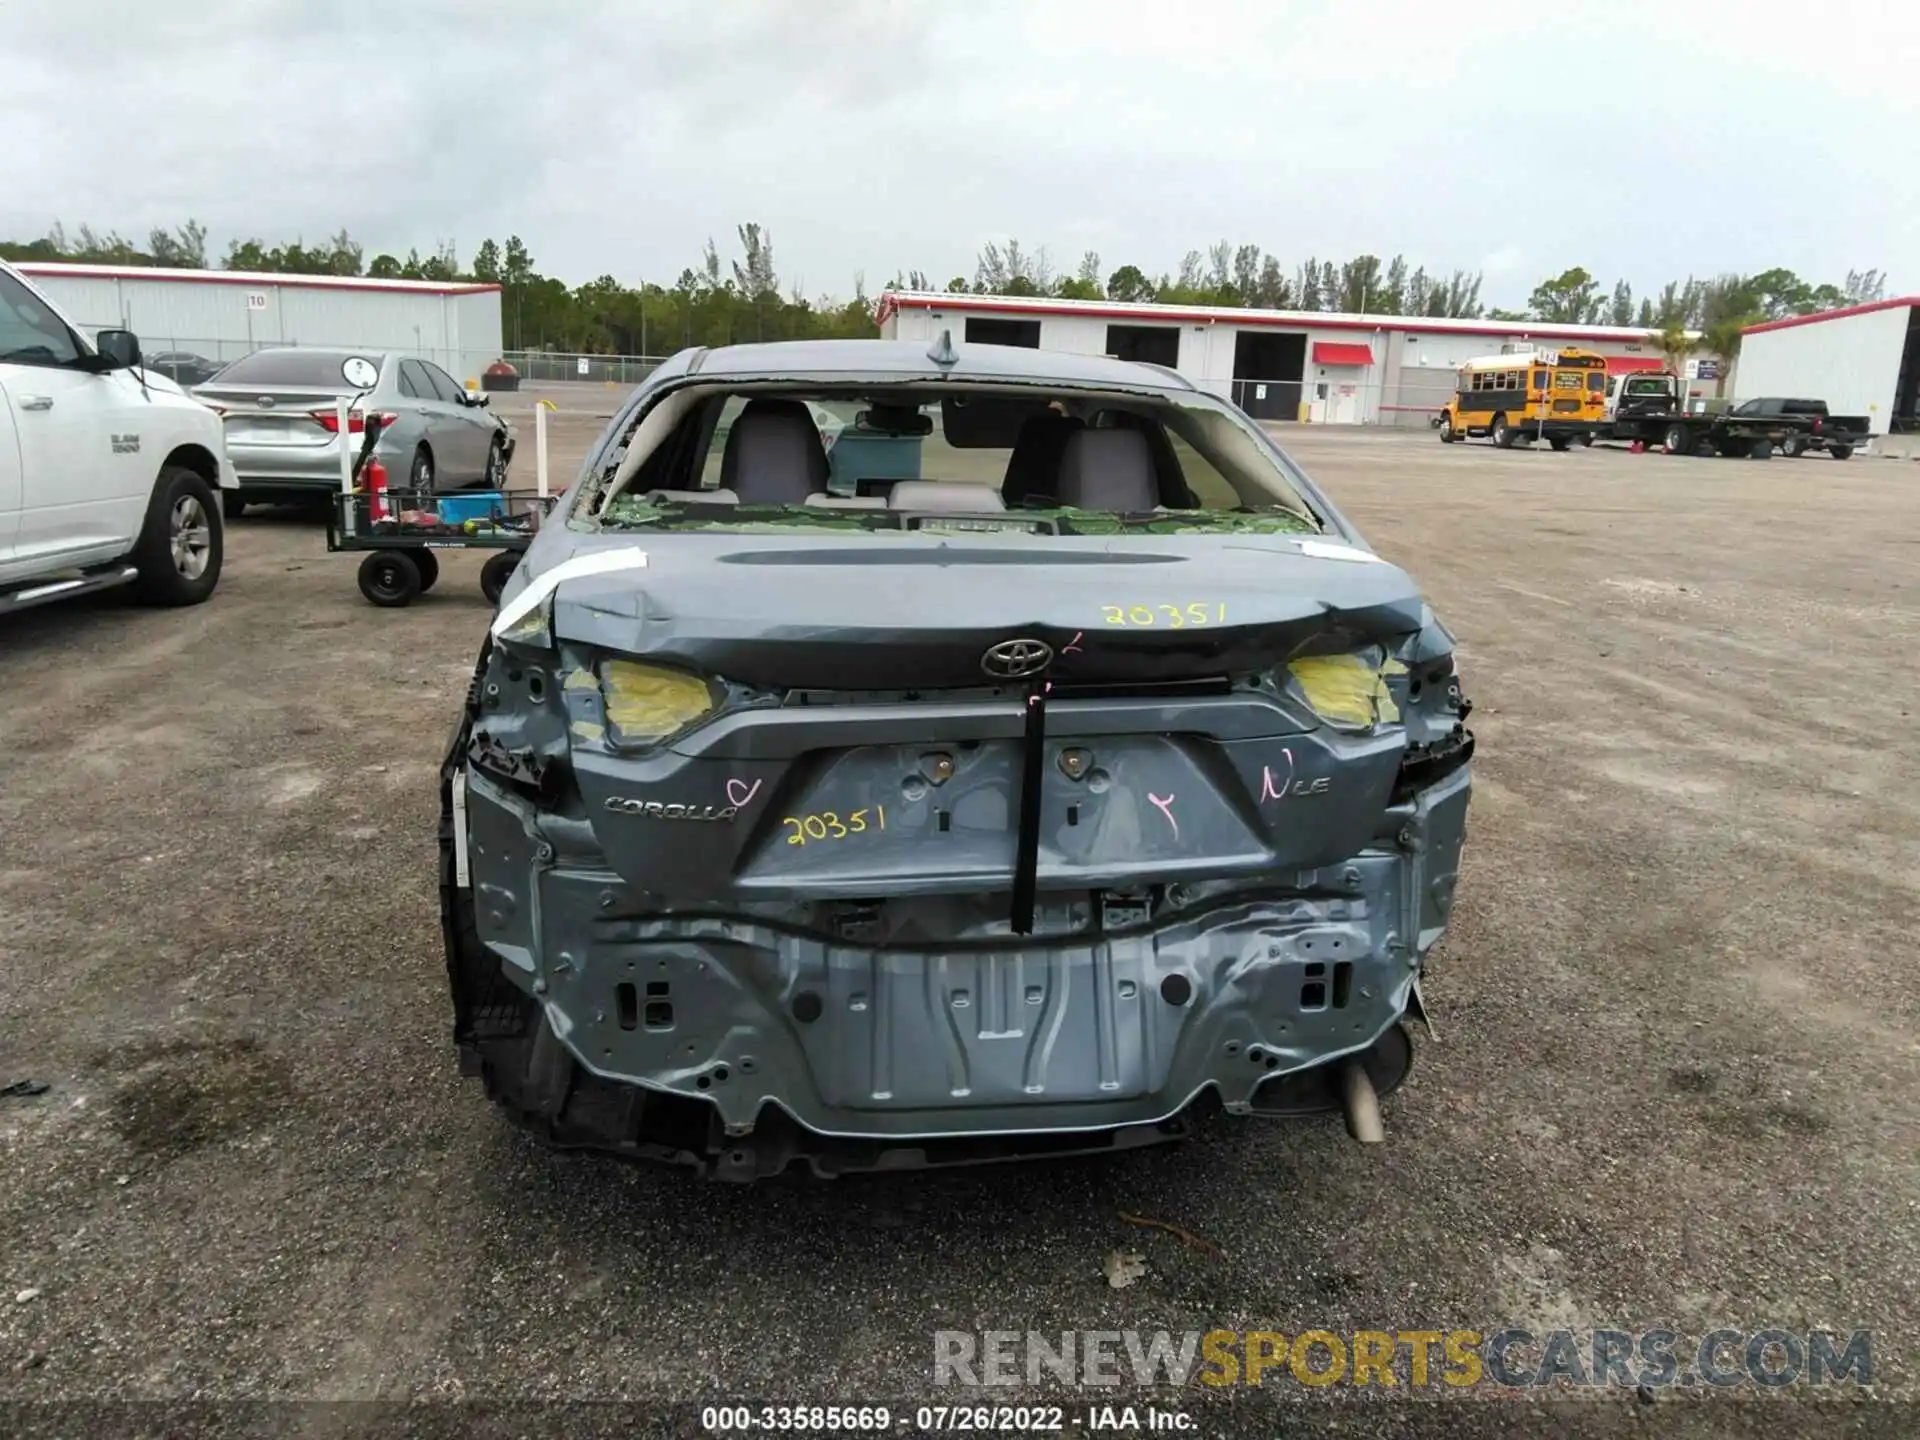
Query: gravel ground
{"points": [[1675, 1079]]}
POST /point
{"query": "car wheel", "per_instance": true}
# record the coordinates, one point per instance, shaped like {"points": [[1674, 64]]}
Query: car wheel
{"points": [[1447, 437], [496, 476], [1559, 442], [428, 564], [1840, 452], [1586, 441], [420, 477], [389, 578], [1760, 450], [1676, 441], [181, 544], [1502, 432], [1793, 446], [232, 504], [495, 574]]}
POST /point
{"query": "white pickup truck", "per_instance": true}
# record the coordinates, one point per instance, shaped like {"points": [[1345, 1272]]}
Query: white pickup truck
{"points": [[109, 473]]}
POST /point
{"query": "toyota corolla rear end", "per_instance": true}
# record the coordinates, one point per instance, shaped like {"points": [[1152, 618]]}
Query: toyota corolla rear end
{"points": [[871, 851]]}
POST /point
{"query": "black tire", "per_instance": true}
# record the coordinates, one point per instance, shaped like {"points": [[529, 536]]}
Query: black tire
{"points": [[1586, 441], [1707, 450], [496, 473], [1447, 433], [1761, 449], [232, 504], [495, 574], [1794, 446], [1502, 432], [182, 540], [429, 565], [1676, 442], [1840, 452], [389, 578], [420, 472], [1559, 442]]}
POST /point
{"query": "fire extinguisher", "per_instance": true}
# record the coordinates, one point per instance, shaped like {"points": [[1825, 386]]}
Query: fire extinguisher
{"points": [[375, 475], [370, 475]]}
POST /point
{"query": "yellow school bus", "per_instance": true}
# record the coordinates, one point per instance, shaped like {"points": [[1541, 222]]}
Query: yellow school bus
{"points": [[1559, 396]]}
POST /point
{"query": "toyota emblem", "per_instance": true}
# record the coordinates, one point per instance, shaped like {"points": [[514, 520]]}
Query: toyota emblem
{"points": [[1016, 659]]}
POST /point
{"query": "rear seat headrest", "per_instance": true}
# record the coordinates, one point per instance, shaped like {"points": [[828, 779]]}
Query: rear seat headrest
{"points": [[1108, 470]]}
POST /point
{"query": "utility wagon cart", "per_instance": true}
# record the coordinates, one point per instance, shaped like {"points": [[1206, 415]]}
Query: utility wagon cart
{"points": [[401, 529]]}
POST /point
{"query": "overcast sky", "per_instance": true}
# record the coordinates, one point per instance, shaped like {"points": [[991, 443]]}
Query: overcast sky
{"points": [[1637, 140]]}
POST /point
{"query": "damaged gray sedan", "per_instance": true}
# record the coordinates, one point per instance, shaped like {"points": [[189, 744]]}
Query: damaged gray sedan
{"points": [[1043, 761]]}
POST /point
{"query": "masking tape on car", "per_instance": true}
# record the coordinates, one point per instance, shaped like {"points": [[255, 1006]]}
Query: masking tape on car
{"points": [[1324, 550], [599, 562]]}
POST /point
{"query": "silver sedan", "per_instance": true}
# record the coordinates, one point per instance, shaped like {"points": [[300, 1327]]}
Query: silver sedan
{"points": [[283, 427]]}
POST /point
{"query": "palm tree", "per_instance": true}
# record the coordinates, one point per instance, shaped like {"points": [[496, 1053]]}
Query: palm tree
{"points": [[1675, 345], [1721, 339]]}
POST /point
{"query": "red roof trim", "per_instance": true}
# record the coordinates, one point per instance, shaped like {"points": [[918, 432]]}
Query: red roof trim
{"points": [[64, 270], [1334, 352], [893, 301], [1840, 314], [1633, 364]]}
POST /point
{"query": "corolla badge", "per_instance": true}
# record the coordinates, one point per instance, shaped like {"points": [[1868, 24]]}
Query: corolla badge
{"points": [[1016, 659], [656, 810]]}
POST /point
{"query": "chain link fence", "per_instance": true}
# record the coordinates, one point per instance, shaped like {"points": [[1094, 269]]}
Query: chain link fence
{"points": [[550, 365], [194, 360]]}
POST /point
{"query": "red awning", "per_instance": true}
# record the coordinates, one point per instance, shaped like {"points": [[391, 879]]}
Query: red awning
{"points": [[1332, 352], [1633, 364]]}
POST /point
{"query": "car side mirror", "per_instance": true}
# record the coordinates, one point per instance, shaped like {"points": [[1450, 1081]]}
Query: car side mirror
{"points": [[119, 349], [482, 401]]}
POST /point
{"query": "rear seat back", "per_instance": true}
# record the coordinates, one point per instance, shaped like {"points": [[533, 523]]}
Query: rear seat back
{"points": [[1109, 470], [774, 455], [1033, 469]]}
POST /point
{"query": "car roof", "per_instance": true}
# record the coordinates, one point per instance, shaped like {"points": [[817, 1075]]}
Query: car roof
{"points": [[343, 352], [912, 360]]}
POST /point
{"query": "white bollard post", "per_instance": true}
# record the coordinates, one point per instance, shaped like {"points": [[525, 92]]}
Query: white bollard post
{"points": [[540, 444], [346, 445], [340, 414]]}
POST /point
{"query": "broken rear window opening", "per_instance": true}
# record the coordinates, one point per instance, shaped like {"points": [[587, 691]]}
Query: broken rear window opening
{"points": [[943, 457]]}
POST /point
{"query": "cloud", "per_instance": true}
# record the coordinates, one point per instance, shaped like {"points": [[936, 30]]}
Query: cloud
{"points": [[876, 136]]}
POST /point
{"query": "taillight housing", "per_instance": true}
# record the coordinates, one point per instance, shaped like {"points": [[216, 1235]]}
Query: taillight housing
{"points": [[1819, 424], [329, 421]]}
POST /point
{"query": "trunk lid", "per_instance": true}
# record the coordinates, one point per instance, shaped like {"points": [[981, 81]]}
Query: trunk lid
{"points": [[273, 415], [892, 613]]}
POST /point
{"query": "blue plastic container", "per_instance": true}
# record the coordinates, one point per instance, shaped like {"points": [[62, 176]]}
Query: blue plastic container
{"points": [[471, 505]]}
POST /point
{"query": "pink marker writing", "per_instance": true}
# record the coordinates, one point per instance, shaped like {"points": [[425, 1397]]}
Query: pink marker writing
{"points": [[1165, 806]]}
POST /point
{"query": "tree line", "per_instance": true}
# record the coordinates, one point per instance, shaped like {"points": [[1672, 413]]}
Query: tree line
{"points": [[724, 301]]}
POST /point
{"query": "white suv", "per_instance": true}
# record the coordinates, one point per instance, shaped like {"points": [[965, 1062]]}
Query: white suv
{"points": [[108, 471]]}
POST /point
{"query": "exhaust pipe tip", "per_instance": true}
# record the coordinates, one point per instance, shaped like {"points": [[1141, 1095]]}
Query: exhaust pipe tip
{"points": [[1361, 1104]]}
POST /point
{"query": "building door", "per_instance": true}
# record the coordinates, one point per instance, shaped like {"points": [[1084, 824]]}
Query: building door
{"points": [[1267, 370]]}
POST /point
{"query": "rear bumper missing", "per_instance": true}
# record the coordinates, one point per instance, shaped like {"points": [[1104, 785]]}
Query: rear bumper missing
{"points": [[792, 1018]]}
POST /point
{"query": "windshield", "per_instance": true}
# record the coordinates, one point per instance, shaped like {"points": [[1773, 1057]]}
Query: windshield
{"points": [[969, 458], [320, 369], [1645, 385]]}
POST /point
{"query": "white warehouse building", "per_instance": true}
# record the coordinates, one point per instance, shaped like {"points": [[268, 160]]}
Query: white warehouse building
{"points": [[1275, 364], [1863, 360], [220, 315]]}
